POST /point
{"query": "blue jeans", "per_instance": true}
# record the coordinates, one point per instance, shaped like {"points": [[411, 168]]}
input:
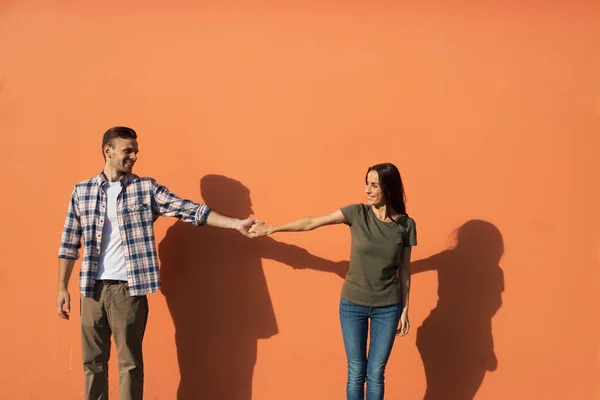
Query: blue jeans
{"points": [[355, 327]]}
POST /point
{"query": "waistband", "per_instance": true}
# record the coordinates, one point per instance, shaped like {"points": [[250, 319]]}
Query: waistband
{"points": [[110, 281]]}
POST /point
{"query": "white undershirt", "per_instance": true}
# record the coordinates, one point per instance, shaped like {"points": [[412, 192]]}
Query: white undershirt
{"points": [[112, 258]]}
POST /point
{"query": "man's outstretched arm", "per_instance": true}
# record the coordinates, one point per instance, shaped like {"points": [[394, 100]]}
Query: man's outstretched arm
{"points": [[221, 221]]}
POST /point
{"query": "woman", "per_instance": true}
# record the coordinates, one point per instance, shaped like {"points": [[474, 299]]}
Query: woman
{"points": [[376, 288]]}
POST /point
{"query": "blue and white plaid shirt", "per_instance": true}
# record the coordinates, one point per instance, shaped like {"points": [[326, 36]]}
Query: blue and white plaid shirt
{"points": [[140, 203]]}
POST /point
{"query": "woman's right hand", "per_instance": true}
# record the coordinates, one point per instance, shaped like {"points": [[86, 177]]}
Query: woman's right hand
{"points": [[258, 230]]}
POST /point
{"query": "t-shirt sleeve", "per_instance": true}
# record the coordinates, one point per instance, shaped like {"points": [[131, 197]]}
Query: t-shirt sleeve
{"points": [[411, 234], [350, 212]]}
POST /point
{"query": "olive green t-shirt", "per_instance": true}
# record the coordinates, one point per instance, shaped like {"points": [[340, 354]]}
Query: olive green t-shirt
{"points": [[375, 256]]}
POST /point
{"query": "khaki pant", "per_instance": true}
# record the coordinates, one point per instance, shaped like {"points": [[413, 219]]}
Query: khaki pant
{"points": [[113, 311]]}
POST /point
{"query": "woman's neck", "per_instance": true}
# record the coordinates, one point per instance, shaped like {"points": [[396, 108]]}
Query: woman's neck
{"points": [[384, 213]]}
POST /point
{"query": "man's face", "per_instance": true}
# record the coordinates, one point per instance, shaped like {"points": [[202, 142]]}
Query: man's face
{"points": [[122, 155]]}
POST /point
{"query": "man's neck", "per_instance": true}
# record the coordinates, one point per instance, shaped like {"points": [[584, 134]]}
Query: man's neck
{"points": [[112, 175]]}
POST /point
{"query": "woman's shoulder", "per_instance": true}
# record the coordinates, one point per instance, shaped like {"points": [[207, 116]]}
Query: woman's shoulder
{"points": [[353, 212], [405, 221], [356, 208]]}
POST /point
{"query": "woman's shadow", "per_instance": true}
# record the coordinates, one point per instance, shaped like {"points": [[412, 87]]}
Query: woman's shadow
{"points": [[455, 341], [217, 294]]}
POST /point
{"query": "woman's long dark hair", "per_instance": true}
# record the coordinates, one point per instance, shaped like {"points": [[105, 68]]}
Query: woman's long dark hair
{"points": [[391, 186]]}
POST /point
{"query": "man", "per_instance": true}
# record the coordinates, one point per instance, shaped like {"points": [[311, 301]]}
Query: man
{"points": [[114, 214]]}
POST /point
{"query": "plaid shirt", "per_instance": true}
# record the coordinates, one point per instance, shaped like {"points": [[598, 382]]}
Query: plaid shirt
{"points": [[140, 203]]}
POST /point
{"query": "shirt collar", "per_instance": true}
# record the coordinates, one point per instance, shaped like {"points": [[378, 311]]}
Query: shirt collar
{"points": [[125, 179]]}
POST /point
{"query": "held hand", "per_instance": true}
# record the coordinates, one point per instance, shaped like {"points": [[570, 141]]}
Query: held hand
{"points": [[246, 224], [63, 299], [258, 230], [404, 325]]}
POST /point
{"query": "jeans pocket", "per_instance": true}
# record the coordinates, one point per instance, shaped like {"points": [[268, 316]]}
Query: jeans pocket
{"points": [[348, 307], [346, 302]]}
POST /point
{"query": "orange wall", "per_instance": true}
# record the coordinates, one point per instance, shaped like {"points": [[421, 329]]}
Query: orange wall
{"points": [[491, 112]]}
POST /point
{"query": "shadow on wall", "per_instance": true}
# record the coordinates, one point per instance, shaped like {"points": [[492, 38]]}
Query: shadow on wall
{"points": [[217, 295], [455, 341]]}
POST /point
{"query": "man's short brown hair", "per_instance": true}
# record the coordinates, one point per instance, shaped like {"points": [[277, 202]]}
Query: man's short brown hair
{"points": [[122, 132]]}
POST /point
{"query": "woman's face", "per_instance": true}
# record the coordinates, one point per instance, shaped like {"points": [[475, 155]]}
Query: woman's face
{"points": [[375, 196]]}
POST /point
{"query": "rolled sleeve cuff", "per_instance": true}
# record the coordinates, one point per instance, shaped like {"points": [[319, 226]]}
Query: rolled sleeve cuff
{"points": [[202, 214], [69, 254]]}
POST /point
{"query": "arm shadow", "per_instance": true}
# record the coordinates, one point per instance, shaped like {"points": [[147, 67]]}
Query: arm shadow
{"points": [[299, 258]]}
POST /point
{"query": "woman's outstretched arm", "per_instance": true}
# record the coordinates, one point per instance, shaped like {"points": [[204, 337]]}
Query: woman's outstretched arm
{"points": [[299, 225]]}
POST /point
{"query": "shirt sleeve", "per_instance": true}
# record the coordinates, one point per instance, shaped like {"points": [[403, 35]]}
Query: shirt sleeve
{"points": [[350, 212], [70, 241], [167, 204], [411, 234]]}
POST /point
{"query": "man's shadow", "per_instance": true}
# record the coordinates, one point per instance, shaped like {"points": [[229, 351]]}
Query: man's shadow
{"points": [[455, 341], [217, 294]]}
